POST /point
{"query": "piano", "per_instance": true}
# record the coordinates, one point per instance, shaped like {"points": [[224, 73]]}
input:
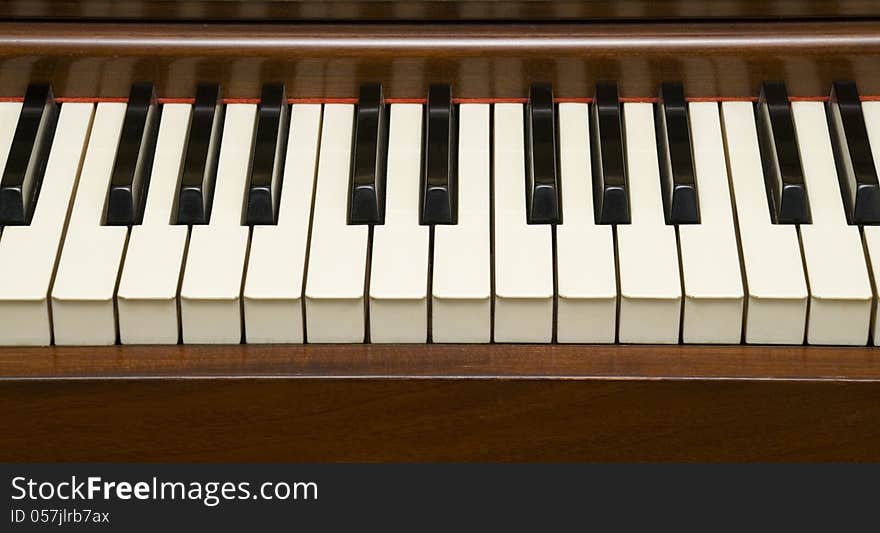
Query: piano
{"points": [[467, 230]]}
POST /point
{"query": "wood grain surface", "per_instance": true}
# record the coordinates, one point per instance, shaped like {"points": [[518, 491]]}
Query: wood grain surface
{"points": [[440, 403], [462, 361], [267, 420], [431, 10], [713, 59]]}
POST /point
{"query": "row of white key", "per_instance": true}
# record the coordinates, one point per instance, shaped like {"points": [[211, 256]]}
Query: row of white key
{"points": [[808, 281], [314, 278]]}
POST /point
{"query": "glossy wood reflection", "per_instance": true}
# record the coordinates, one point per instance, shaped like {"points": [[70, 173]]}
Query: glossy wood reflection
{"points": [[481, 60], [494, 361], [390, 10]]}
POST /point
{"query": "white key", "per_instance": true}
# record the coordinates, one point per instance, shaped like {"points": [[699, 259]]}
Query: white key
{"points": [[461, 307], [712, 280], [147, 295], [777, 290], [650, 284], [523, 252], [28, 254], [273, 307], [9, 112], [210, 295], [336, 276], [83, 309], [399, 270], [586, 276], [840, 290], [871, 234]]}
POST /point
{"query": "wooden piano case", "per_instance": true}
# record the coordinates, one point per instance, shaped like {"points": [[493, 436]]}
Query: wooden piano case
{"points": [[250, 403]]}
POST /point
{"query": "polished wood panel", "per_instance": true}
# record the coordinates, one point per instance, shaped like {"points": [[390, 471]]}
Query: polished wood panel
{"points": [[464, 361], [440, 403], [391, 10], [329, 60], [264, 420]]}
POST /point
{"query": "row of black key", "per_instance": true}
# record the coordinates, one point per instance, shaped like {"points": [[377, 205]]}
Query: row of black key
{"points": [[439, 179], [783, 170], [130, 179], [781, 158], [543, 195], [786, 190]]}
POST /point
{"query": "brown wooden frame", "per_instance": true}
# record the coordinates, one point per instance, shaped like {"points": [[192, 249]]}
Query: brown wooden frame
{"points": [[440, 403], [480, 60], [257, 11]]}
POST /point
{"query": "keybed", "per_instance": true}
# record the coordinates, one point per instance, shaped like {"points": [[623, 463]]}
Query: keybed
{"points": [[591, 222]]}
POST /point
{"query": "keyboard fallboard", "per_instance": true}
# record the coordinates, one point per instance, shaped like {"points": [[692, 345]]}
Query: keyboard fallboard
{"points": [[712, 59]]}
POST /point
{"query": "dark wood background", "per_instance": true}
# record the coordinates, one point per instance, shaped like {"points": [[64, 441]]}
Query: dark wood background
{"points": [[432, 10], [440, 403], [713, 59]]}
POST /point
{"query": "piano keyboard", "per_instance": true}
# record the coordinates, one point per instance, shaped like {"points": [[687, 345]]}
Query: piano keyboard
{"points": [[590, 221]]}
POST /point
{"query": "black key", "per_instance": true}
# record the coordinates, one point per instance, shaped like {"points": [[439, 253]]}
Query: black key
{"points": [[610, 197], [202, 152], [852, 154], [28, 155], [677, 180], [439, 187], [134, 157], [783, 172], [265, 179], [542, 187], [366, 202]]}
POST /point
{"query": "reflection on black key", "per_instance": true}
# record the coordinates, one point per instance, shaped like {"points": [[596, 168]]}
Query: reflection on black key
{"points": [[609, 172], [366, 202], [134, 157], [439, 187], [28, 155], [266, 165], [542, 189], [676, 160], [852, 154], [202, 152], [783, 171]]}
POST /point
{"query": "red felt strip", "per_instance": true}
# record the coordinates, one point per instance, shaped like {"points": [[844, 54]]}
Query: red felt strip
{"points": [[506, 100]]}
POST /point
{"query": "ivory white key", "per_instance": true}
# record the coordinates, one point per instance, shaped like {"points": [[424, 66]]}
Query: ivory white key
{"points": [[83, 310], [28, 254], [9, 113], [461, 307], [523, 252], [871, 234], [336, 276], [712, 280], [650, 284], [399, 270], [147, 294], [776, 309], [586, 277], [210, 295], [840, 290], [273, 307]]}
